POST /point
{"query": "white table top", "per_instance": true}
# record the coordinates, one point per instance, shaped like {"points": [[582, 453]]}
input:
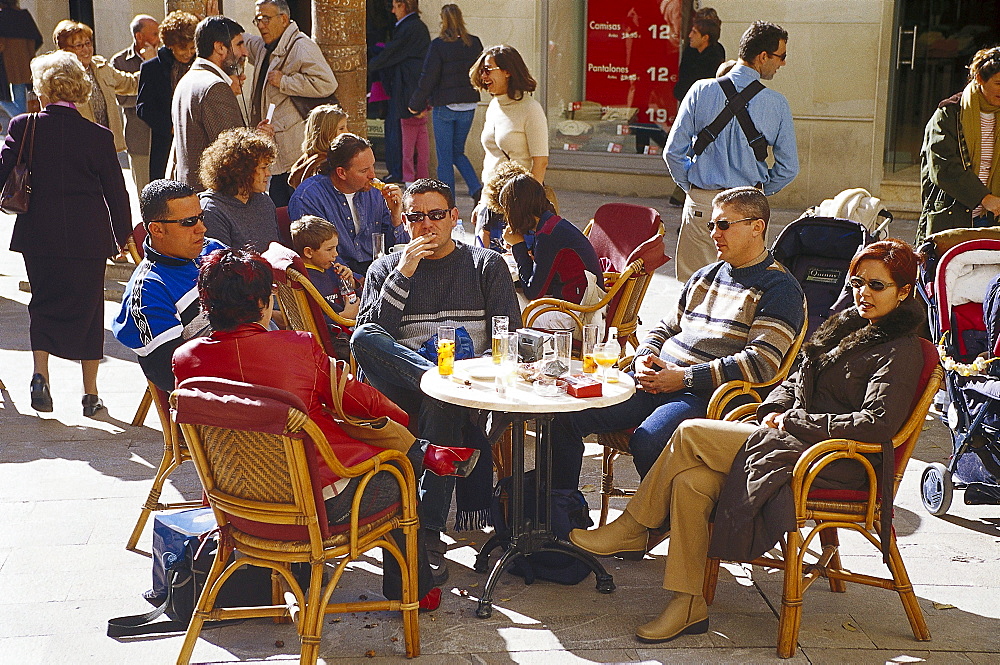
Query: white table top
{"points": [[481, 392]]}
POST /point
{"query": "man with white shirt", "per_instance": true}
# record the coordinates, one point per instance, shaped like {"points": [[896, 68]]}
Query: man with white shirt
{"points": [[344, 196], [204, 103]]}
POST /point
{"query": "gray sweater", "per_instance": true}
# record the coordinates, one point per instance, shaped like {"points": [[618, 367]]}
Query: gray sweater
{"points": [[465, 288], [237, 224]]}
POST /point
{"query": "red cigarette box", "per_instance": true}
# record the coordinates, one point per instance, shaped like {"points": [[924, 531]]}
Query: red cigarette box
{"points": [[581, 385]]}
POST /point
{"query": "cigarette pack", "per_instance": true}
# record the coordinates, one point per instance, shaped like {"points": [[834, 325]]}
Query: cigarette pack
{"points": [[581, 385]]}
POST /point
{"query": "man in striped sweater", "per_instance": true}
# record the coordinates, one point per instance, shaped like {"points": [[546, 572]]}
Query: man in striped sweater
{"points": [[433, 281], [736, 319]]}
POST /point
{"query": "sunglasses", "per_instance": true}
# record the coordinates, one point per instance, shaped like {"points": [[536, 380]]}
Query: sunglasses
{"points": [[874, 284], [487, 68], [724, 224], [779, 56], [417, 217], [186, 222]]}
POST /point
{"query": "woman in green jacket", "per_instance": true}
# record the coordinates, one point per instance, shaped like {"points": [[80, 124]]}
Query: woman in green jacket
{"points": [[959, 174]]}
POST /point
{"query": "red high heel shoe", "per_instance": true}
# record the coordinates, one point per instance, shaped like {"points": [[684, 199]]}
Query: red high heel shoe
{"points": [[431, 601], [445, 461]]}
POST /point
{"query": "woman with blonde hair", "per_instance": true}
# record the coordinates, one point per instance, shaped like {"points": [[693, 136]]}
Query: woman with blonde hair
{"points": [[105, 80], [325, 123], [444, 83], [235, 168], [78, 217]]}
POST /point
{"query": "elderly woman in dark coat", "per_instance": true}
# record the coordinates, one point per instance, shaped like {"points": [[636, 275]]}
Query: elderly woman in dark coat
{"points": [[78, 217], [857, 379]]}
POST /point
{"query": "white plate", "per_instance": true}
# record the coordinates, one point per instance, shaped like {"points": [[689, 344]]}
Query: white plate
{"points": [[486, 371]]}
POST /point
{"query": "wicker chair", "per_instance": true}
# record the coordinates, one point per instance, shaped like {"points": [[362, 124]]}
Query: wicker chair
{"points": [[257, 454], [625, 292], [175, 453], [301, 303], [730, 395], [829, 510]]}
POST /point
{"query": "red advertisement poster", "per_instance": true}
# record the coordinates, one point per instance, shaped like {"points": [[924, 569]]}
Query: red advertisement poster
{"points": [[633, 49]]}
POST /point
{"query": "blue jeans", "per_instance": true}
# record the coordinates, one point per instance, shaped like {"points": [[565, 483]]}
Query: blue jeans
{"points": [[451, 129], [19, 105], [655, 418], [395, 371]]}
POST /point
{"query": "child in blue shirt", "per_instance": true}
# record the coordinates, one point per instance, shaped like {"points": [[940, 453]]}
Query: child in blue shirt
{"points": [[316, 240]]}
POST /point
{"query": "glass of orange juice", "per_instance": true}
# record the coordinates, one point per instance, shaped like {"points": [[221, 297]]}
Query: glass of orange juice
{"points": [[606, 356], [446, 350], [589, 342]]}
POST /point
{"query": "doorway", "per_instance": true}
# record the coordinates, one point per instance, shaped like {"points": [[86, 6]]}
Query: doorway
{"points": [[933, 46]]}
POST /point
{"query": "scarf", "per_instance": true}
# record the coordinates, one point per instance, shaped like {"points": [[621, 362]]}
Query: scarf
{"points": [[973, 104]]}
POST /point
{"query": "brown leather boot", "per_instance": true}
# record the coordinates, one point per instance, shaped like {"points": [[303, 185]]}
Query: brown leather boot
{"points": [[684, 615], [624, 537]]}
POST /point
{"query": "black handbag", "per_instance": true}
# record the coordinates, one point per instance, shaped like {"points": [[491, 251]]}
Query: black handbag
{"points": [[16, 194], [248, 586]]}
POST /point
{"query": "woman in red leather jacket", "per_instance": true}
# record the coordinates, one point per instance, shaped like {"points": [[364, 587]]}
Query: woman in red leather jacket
{"points": [[235, 291]]}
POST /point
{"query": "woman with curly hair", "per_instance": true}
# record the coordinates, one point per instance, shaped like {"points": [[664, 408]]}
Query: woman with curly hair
{"points": [[235, 169]]}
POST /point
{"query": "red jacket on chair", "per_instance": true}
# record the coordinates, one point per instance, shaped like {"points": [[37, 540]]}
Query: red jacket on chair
{"points": [[293, 361]]}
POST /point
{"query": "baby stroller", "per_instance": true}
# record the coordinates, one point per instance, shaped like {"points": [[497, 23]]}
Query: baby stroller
{"points": [[954, 284], [818, 252]]}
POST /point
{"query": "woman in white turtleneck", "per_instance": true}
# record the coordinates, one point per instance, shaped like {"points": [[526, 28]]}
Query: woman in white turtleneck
{"points": [[515, 128]]}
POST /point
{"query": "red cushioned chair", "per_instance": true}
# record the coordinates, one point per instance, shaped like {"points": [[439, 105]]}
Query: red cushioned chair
{"points": [[284, 226], [257, 454], [829, 510]]}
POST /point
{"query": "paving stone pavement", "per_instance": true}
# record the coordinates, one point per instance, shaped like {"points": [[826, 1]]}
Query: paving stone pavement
{"points": [[71, 489]]}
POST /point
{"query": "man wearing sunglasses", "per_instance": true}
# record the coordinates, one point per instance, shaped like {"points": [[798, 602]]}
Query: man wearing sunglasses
{"points": [[160, 309], [736, 320], [345, 195], [433, 281], [721, 136]]}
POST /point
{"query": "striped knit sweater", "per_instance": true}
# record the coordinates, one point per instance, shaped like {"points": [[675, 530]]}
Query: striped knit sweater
{"points": [[465, 288], [731, 323]]}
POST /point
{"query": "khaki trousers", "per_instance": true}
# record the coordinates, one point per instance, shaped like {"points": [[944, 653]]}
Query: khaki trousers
{"points": [[695, 248], [682, 488]]}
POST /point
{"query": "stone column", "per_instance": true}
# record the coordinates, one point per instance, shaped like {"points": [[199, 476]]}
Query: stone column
{"points": [[339, 29], [200, 8]]}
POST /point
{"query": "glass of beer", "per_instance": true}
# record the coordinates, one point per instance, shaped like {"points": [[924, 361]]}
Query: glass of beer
{"points": [[500, 324], [446, 350], [606, 356], [589, 342]]}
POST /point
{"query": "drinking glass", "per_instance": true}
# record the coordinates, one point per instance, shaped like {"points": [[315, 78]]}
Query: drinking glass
{"points": [[606, 356], [378, 245], [446, 350], [500, 324], [564, 348], [589, 341]]}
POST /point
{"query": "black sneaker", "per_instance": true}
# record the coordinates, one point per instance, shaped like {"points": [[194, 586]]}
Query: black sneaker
{"points": [[91, 405], [41, 398]]}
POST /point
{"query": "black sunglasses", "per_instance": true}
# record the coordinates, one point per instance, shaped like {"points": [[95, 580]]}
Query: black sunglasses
{"points": [[724, 224], [780, 56], [874, 284], [417, 217], [186, 222]]}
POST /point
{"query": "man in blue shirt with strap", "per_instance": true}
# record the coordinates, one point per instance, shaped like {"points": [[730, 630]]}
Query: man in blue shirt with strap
{"points": [[715, 145], [344, 195]]}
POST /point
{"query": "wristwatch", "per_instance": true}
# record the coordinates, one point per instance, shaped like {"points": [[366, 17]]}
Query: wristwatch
{"points": [[688, 377]]}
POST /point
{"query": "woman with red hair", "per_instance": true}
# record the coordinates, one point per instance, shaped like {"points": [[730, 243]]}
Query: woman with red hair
{"points": [[857, 377], [235, 290]]}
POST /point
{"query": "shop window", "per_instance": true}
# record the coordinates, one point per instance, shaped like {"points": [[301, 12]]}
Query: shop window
{"points": [[611, 69]]}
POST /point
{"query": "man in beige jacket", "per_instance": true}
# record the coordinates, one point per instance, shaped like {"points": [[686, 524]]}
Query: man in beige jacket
{"points": [[287, 62]]}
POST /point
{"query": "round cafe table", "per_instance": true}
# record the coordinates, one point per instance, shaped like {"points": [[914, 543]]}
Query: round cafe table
{"points": [[473, 385]]}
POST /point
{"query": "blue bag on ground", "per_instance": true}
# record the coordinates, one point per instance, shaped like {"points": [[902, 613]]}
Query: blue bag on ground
{"points": [[170, 531], [464, 347], [569, 511]]}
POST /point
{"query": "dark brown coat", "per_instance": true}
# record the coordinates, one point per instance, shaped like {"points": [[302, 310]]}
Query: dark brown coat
{"points": [[856, 381]]}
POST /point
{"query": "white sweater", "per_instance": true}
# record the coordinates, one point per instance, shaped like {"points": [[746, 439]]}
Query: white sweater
{"points": [[515, 130]]}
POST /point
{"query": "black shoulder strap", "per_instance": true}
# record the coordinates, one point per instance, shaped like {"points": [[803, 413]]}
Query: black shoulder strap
{"points": [[736, 107]]}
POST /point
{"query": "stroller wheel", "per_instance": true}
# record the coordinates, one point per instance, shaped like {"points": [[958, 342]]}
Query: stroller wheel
{"points": [[936, 489]]}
